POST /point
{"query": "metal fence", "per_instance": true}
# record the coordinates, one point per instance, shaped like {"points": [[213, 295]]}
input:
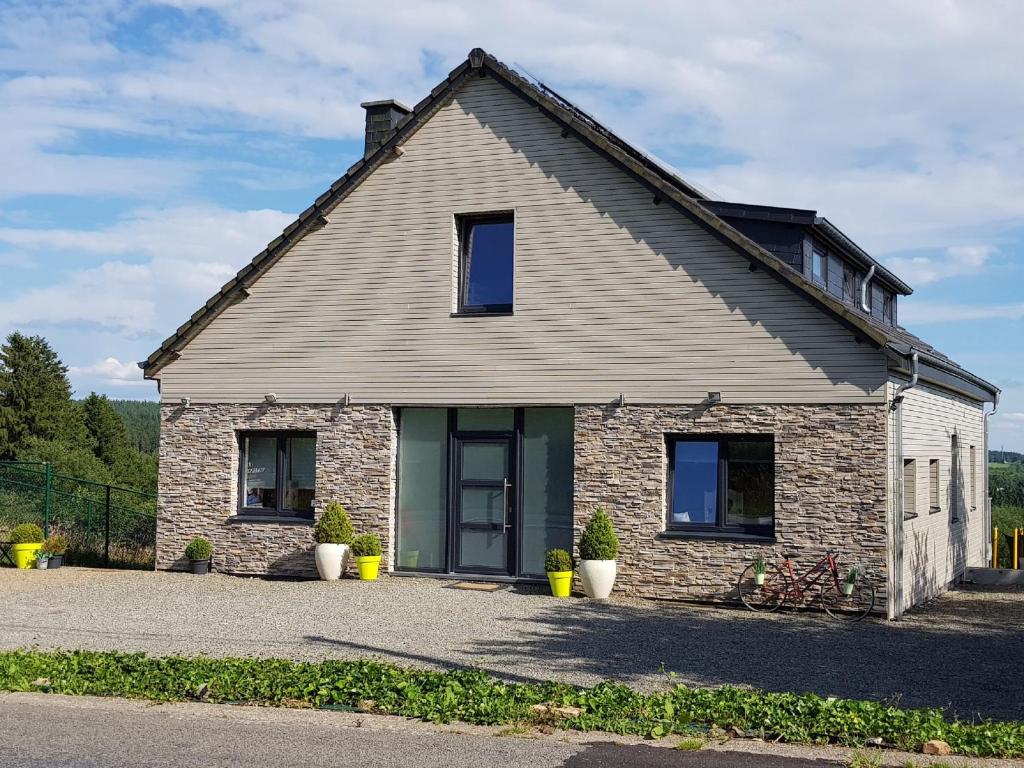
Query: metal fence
{"points": [[105, 525]]}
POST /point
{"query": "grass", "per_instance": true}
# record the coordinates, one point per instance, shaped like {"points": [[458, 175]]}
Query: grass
{"points": [[472, 696], [865, 760], [1006, 518]]}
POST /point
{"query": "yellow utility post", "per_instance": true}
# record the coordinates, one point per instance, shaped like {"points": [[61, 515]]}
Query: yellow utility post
{"points": [[995, 547], [1016, 549]]}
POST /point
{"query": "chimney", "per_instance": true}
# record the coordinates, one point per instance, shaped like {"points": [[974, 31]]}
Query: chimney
{"points": [[382, 117]]}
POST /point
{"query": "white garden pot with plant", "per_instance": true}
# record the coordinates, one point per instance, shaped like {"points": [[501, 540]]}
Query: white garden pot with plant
{"points": [[333, 532], [599, 546]]}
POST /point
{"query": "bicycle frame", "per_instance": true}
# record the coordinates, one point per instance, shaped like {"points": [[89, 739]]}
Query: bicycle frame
{"points": [[800, 586]]}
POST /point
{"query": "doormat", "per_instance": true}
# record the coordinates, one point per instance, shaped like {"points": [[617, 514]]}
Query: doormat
{"points": [[476, 586]]}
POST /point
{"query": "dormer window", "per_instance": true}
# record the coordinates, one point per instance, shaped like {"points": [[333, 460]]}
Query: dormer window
{"points": [[888, 302], [819, 267], [486, 264]]}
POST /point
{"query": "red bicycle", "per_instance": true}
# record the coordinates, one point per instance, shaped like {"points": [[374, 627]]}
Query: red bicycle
{"points": [[767, 588]]}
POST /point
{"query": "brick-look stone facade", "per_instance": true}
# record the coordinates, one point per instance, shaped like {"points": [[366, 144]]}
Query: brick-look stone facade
{"points": [[355, 457], [830, 491]]}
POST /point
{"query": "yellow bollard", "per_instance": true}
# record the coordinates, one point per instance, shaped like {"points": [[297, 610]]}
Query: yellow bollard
{"points": [[995, 547], [1016, 549]]}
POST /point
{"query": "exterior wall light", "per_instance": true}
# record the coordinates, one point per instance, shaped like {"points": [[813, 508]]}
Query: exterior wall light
{"points": [[186, 402], [270, 397], [714, 398], [621, 401]]}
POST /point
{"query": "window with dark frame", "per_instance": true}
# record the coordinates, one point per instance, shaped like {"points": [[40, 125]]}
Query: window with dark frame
{"points": [[486, 263], [819, 267], [849, 284], [722, 484], [277, 474], [887, 306]]}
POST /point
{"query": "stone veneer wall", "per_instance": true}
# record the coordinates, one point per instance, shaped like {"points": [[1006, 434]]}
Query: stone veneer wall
{"points": [[830, 491], [355, 453]]}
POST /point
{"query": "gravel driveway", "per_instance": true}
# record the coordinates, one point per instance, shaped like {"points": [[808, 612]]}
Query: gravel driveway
{"points": [[964, 651]]}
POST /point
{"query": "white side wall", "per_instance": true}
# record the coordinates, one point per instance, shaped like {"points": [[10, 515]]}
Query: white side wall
{"points": [[941, 541]]}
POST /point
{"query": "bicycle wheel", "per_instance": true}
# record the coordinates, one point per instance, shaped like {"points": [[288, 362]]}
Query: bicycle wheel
{"points": [[852, 607], [765, 597]]}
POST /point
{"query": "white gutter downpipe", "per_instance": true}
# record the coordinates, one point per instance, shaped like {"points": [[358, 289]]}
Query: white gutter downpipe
{"points": [[864, 290], [988, 497], [896, 599]]}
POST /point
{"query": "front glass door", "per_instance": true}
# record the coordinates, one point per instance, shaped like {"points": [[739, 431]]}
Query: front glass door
{"points": [[483, 492]]}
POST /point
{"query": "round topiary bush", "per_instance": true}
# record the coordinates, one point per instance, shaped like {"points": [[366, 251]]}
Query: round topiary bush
{"points": [[557, 561], [366, 545], [199, 549], [27, 533], [599, 541], [334, 526]]}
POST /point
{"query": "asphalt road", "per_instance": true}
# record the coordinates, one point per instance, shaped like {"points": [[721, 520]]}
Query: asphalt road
{"points": [[59, 732]]}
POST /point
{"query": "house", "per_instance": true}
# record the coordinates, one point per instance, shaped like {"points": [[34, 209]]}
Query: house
{"points": [[504, 316]]}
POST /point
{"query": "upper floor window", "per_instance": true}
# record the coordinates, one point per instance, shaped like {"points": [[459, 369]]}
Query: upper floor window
{"points": [[849, 284], [278, 473], [486, 263], [819, 267], [722, 484], [888, 302]]}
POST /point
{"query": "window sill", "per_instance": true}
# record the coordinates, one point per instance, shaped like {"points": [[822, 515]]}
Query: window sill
{"points": [[280, 520], [747, 538], [934, 510], [910, 515], [482, 314]]}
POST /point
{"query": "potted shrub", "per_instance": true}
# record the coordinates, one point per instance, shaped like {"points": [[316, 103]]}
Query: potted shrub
{"points": [[558, 565], [760, 568], [198, 553], [366, 550], [56, 545], [42, 559], [27, 539], [599, 546], [852, 574], [333, 532]]}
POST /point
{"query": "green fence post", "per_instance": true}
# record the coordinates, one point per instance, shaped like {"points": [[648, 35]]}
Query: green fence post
{"points": [[46, 500], [106, 535]]}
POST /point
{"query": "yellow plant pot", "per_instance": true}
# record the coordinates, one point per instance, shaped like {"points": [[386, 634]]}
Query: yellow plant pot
{"points": [[561, 583], [369, 567], [25, 554]]}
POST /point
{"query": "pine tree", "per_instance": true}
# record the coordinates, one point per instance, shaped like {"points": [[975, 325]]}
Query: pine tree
{"points": [[107, 431], [35, 396]]}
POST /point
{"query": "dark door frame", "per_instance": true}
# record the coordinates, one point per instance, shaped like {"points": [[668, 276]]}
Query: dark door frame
{"points": [[510, 492]]}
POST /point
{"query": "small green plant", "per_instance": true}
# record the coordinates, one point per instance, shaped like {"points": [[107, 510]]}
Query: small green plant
{"points": [[852, 574], [42, 555], [57, 544], [334, 526], [760, 566], [599, 541], [557, 561], [690, 744], [865, 760], [366, 545], [199, 549], [27, 533]]}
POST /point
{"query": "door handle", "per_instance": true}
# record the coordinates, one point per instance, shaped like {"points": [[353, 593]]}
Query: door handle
{"points": [[504, 504]]}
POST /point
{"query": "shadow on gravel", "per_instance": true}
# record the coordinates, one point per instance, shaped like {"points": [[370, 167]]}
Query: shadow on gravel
{"points": [[967, 659], [965, 655]]}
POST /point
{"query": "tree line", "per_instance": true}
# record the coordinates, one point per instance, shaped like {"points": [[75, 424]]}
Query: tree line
{"points": [[88, 438]]}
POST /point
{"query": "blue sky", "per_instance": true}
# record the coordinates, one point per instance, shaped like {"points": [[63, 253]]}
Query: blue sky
{"points": [[152, 149]]}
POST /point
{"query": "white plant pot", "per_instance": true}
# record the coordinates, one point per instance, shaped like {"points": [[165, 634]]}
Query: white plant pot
{"points": [[759, 579], [847, 588], [331, 560], [598, 577], [44, 564]]}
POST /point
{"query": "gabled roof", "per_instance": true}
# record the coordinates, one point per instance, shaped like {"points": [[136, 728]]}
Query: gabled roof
{"points": [[664, 184]]}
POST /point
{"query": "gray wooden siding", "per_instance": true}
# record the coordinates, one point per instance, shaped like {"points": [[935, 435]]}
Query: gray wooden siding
{"points": [[612, 293], [936, 549]]}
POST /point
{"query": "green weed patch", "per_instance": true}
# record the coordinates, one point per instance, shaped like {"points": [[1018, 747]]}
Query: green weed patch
{"points": [[473, 696]]}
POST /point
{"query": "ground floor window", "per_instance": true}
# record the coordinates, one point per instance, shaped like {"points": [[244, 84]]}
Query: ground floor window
{"points": [[277, 473], [483, 490], [722, 484]]}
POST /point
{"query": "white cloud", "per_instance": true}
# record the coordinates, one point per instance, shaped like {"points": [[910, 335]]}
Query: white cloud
{"points": [[111, 371], [926, 313], [179, 258], [957, 261], [1016, 418]]}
